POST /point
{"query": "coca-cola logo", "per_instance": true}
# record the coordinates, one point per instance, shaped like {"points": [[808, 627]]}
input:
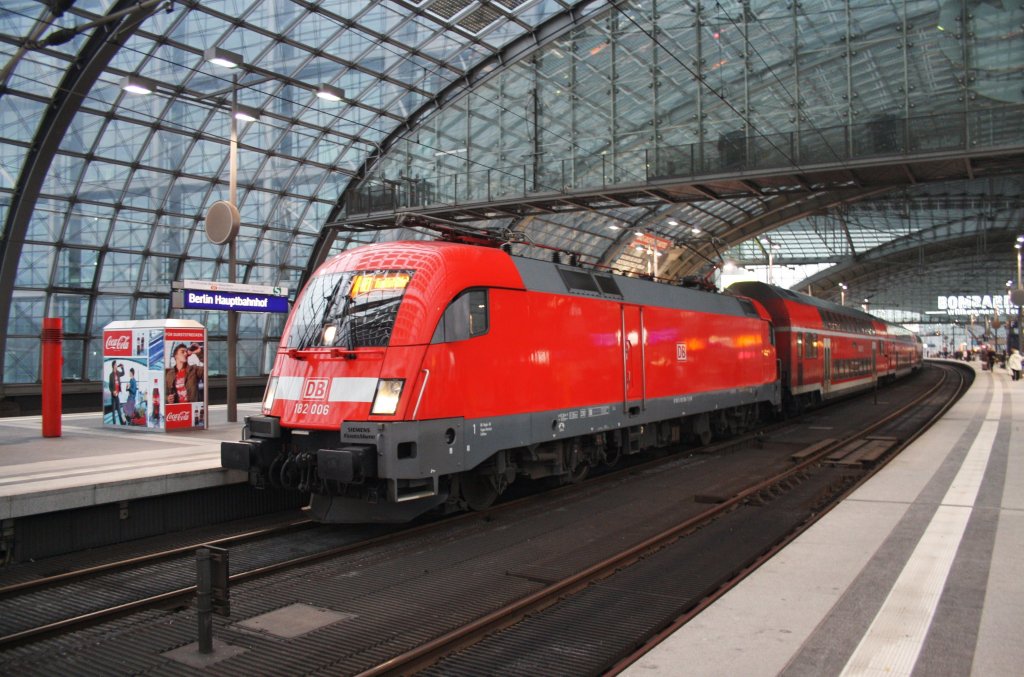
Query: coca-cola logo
{"points": [[178, 416], [117, 343]]}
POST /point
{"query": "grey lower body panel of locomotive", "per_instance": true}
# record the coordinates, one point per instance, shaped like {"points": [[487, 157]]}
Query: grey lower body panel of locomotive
{"points": [[414, 457]]}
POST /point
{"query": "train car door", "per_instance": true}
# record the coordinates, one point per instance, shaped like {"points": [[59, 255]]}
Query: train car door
{"points": [[633, 354], [801, 350], [826, 379], [874, 361]]}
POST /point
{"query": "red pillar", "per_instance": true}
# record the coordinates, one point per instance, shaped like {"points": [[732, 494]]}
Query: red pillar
{"points": [[53, 365]]}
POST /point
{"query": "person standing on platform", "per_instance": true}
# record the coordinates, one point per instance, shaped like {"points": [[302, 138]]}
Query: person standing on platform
{"points": [[1014, 363], [114, 386], [133, 391]]}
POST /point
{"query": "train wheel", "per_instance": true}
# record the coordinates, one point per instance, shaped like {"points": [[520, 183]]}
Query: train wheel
{"points": [[575, 462], [478, 491], [579, 473], [612, 457]]}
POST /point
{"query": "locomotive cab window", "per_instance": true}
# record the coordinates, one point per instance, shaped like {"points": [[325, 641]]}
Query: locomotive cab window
{"points": [[354, 309], [465, 317]]}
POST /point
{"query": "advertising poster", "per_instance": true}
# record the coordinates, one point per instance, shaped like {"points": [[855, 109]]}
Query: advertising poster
{"points": [[184, 378], [154, 376], [125, 372]]}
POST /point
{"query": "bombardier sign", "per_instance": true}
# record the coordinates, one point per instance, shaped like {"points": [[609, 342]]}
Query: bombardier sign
{"points": [[201, 295], [977, 304]]}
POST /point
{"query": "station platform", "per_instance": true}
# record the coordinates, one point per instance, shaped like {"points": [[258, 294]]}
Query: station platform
{"points": [[92, 464], [916, 573]]}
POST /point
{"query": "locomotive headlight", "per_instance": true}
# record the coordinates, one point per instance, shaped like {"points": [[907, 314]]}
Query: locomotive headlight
{"points": [[385, 401], [330, 331], [270, 395]]}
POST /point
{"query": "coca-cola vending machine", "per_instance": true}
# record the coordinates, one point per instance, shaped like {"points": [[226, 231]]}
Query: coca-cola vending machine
{"points": [[154, 373]]}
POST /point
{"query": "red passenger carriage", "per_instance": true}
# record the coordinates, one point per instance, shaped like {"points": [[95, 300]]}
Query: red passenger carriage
{"points": [[828, 350]]}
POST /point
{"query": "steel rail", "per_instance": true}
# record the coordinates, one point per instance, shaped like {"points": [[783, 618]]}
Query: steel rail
{"points": [[429, 653], [83, 620], [455, 638], [685, 618], [78, 574]]}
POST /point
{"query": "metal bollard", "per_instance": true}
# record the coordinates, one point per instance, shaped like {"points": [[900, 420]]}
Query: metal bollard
{"points": [[52, 374], [212, 594], [204, 599]]}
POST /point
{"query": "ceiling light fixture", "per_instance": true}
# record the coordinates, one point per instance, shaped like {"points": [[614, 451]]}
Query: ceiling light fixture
{"points": [[245, 113], [136, 84], [222, 57], [330, 93]]}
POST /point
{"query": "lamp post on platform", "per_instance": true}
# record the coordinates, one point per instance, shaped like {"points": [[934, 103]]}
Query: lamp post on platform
{"points": [[223, 218], [770, 250], [1017, 295], [223, 221]]}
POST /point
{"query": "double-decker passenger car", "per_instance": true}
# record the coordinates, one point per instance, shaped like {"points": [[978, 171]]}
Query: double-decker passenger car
{"points": [[828, 350], [416, 374]]}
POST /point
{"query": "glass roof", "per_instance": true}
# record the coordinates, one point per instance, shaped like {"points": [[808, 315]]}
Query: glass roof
{"points": [[640, 90], [116, 214], [103, 192]]}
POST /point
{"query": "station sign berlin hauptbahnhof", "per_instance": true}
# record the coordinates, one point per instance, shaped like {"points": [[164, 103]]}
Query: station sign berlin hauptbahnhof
{"points": [[253, 298]]}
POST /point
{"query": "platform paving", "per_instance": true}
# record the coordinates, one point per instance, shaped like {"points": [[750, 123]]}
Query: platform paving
{"points": [[916, 573], [92, 464]]}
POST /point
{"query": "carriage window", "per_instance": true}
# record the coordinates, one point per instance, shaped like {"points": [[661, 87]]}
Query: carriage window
{"points": [[467, 316], [811, 346]]}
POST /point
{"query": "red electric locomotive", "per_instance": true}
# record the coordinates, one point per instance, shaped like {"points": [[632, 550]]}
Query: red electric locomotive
{"points": [[828, 350], [416, 374]]}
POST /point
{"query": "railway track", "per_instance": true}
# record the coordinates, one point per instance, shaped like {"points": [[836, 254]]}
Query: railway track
{"points": [[458, 651], [40, 607], [483, 622]]}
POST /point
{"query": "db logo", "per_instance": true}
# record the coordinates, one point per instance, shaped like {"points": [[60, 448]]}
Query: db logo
{"points": [[315, 389], [681, 352]]}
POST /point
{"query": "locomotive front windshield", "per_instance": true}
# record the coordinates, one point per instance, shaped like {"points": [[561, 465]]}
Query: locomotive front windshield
{"points": [[353, 309]]}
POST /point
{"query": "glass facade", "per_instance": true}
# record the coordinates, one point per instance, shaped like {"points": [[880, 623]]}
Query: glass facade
{"points": [[668, 90], [103, 192]]}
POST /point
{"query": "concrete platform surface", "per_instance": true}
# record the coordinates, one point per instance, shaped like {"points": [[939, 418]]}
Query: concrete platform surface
{"points": [[93, 464]]}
